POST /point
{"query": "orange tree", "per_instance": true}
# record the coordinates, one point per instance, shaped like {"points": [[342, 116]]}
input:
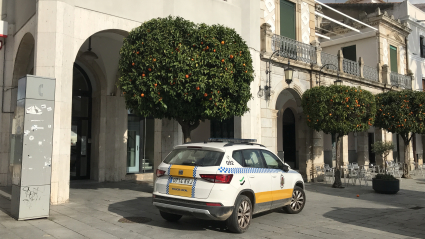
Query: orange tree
{"points": [[174, 68], [403, 113], [338, 110]]}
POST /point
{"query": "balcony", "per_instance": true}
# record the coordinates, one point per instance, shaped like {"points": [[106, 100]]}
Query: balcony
{"points": [[306, 53], [401, 80]]}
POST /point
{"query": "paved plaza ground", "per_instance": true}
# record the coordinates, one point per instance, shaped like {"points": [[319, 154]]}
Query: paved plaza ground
{"points": [[95, 209]]}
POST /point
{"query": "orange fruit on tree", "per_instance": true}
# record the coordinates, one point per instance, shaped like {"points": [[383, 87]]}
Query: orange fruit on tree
{"points": [[137, 53], [159, 93], [187, 76], [149, 69], [202, 43], [205, 94], [123, 93], [218, 91], [222, 60], [142, 95], [231, 56], [197, 88], [155, 84], [143, 75], [132, 64], [222, 42], [210, 98], [243, 64]]}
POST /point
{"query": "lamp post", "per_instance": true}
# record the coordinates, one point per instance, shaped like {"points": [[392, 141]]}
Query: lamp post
{"points": [[289, 72], [337, 82]]}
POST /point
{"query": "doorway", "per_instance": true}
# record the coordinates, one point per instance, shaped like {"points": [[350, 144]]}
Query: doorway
{"points": [[81, 125], [288, 139]]}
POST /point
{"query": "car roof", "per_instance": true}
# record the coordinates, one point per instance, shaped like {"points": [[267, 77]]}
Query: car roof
{"points": [[221, 146]]}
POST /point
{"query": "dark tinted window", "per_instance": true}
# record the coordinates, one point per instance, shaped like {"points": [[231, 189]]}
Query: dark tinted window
{"points": [[237, 156], [253, 158], [194, 157]]}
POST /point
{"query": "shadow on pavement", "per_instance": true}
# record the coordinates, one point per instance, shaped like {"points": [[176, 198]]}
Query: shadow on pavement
{"points": [[388, 220], [139, 186], [142, 207]]}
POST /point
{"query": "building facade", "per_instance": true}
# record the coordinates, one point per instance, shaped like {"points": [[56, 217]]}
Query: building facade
{"points": [[95, 137]]}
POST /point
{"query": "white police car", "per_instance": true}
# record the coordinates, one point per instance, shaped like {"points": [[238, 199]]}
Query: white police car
{"points": [[227, 180]]}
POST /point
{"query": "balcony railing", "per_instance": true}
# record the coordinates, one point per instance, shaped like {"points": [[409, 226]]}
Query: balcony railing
{"points": [[370, 73], [401, 80], [327, 58], [292, 49], [350, 67]]}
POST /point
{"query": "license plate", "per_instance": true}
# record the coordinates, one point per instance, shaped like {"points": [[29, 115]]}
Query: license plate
{"points": [[185, 181]]}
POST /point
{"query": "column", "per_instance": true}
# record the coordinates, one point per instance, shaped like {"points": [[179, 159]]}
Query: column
{"points": [[344, 150], [361, 66], [362, 149], [54, 57], [304, 150], [317, 153], [386, 78]]}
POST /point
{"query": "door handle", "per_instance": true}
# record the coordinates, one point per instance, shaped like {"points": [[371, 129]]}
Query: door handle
{"points": [[252, 176]]}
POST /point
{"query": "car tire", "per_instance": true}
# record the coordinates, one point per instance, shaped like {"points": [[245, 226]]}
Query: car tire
{"points": [[241, 217], [297, 202], [170, 216]]}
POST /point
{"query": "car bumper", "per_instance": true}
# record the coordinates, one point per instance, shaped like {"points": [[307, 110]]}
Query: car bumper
{"points": [[192, 208]]}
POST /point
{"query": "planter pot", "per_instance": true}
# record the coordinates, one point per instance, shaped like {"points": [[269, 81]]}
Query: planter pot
{"points": [[385, 186]]}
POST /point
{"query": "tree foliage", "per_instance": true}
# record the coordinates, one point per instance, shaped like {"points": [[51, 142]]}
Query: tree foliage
{"points": [[339, 109], [174, 68], [401, 112], [383, 148]]}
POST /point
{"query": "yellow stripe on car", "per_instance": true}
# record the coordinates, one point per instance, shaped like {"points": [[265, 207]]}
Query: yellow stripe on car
{"points": [[187, 171], [180, 190], [273, 195]]}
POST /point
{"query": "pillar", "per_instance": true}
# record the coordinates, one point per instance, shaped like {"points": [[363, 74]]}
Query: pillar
{"points": [[340, 61], [362, 149], [54, 57], [386, 74], [361, 66], [304, 147], [317, 153], [266, 38]]}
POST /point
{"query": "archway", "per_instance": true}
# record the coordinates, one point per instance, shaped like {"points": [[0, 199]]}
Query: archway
{"points": [[288, 138], [81, 124]]}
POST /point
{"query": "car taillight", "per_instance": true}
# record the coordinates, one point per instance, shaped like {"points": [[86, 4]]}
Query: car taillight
{"points": [[214, 204], [217, 178], [160, 172]]}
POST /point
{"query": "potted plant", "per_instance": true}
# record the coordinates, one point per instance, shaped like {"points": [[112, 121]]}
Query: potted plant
{"points": [[384, 183]]}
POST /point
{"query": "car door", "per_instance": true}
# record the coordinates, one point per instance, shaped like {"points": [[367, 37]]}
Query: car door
{"points": [[281, 183], [259, 179]]}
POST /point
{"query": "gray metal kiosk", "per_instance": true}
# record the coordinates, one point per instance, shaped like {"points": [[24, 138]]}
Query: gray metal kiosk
{"points": [[32, 142]]}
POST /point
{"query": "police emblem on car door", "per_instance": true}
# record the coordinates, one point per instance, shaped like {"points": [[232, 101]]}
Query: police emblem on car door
{"points": [[282, 181]]}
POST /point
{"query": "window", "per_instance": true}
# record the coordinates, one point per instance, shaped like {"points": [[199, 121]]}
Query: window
{"points": [[287, 19], [271, 160], [252, 158], [422, 46], [222, 129], [349, 53], [194, 157], [237, 156], [393, 58]]}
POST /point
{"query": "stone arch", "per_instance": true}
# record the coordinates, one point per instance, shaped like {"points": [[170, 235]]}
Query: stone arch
{"points": [[24, 59]]}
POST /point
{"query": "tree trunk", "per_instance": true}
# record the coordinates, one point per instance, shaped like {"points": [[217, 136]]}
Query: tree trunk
{"points": [[338, 182], [187, 127], [406, 164]]}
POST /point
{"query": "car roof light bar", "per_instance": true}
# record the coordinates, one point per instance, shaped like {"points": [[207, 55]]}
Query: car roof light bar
{"points": [[232, 140], [346, 15]]}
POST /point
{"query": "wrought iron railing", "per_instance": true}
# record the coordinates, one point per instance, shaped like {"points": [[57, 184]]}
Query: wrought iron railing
{"points": [[401, 80], [350, 67], [292, 49], [370, 73], [327, 58]]}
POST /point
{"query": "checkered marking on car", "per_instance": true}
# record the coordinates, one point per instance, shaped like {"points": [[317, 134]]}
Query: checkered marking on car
{"points": [[167, 188], [248, 170], [169, 168], [193, 188]]}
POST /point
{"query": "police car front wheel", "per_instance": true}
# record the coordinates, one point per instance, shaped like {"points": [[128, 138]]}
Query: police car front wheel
{"points": [[170, 216], [297, 202]]}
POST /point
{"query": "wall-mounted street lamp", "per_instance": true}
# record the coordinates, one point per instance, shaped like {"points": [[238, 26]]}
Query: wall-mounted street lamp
{"points": [[289, 72], [337, 82]]}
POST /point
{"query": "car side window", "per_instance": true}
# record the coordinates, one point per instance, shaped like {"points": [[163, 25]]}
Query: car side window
{"points": [[271, 160], [253, 158], [237, 156]]}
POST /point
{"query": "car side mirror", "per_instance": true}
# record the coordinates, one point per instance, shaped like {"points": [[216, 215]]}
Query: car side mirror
{"points": [[285, 168]]}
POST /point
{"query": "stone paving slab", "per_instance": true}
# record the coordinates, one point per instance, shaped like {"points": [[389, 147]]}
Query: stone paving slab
{"points": [[95, 208]]}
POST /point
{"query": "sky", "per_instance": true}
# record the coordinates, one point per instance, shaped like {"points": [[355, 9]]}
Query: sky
{"points": [[342, 1]]}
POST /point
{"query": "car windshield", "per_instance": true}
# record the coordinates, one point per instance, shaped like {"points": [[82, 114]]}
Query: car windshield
{"points": [[194, 157]]}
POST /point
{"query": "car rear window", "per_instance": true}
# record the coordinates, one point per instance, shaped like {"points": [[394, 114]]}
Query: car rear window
{"points": [[194, 157]]}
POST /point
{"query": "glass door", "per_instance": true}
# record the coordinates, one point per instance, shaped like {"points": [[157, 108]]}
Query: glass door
{"points": [[133, 144]]}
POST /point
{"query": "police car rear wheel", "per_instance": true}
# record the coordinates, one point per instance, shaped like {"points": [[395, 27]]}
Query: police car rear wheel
{"points": [[170, 217], [297, 202], [241, 217]]}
